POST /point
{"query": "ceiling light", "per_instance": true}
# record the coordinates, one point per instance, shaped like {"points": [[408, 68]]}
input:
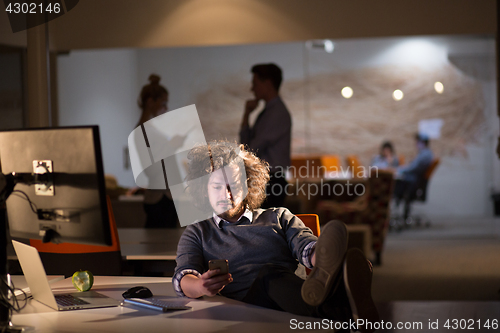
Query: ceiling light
{"points": [[321, 44], [347, 92], [397, 95], [438, 86], [329, 46]]}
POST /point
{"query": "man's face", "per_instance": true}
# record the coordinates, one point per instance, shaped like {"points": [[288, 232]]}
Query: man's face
{"points": [[259, 87], [386, 152], [226, 201]]}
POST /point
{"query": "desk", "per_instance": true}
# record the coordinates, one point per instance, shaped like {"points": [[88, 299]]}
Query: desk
{"points": [[220, 314], [139, 244], [150, 251], [209, 314], [149, 244]]}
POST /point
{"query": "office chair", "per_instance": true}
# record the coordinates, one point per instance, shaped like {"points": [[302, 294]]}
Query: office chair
{"points": [[67, 258], [332, 165], [401, 159], [312, 222], [420, 194], [354, 166], [306, 167], [417, 193]]}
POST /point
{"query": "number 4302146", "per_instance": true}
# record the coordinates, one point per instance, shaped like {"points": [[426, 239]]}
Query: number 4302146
{"points": [[471, 324], [33, 8]]}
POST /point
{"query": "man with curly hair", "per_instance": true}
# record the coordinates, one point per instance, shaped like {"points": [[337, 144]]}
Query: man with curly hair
{"points": [[264, 246]]}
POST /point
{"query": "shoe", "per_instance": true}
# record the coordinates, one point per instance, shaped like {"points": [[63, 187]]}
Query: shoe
{"points": [[330, 252], [358, 284]]}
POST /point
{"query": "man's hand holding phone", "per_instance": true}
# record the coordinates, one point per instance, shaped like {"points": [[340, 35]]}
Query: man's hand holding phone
{"points": [[221, 264], [209, 283], [216, 278]]}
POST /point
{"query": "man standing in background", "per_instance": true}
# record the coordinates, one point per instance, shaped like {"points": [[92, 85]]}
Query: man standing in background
{"points": [[270, 136]]}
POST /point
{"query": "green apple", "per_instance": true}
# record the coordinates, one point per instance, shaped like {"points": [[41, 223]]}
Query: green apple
{"points": [[83, 280]]}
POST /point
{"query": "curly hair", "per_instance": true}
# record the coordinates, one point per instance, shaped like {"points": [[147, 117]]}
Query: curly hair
{"points": [[203, 160]]}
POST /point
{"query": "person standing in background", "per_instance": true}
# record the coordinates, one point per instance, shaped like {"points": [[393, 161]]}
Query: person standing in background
{"points": [[269, 138], [158, 204]]}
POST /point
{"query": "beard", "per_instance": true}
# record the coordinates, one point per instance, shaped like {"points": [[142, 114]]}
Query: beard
{"points": [[233, 212]]}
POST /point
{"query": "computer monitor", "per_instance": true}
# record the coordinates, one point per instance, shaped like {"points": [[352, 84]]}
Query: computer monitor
{"points": [[60, 170]]}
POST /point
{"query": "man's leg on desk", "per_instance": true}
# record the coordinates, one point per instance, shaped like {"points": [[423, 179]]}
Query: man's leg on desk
{"points": [[344, 295]]}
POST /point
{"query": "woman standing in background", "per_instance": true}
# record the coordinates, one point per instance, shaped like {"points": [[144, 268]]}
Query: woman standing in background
{"points": [[158, 204]]}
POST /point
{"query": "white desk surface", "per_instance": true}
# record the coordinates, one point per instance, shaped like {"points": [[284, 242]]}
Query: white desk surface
{"points": [[218, 314], [209, 314]]}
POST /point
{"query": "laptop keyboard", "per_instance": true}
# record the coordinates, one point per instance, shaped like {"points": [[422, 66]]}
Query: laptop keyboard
{"points": [[69, 300]]}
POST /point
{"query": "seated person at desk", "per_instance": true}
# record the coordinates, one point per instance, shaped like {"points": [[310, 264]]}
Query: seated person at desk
{"points": [[387, 158], [408, 176], [265, 246]]}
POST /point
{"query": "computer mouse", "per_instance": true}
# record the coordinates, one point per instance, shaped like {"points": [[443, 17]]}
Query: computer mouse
{"points": [[137, 292]]}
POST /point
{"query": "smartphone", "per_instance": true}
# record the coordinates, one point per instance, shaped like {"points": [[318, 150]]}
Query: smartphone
{"points": [[221, 264]]}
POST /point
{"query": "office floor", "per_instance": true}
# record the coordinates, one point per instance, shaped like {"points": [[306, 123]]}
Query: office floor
{"points": [[453, 259]]}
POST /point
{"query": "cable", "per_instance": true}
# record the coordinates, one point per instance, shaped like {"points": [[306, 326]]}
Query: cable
{"points": [[12, 303], [59, 214], [15, 305], [33, 207]]}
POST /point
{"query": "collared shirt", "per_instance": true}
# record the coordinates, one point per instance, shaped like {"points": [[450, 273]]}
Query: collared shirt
{"points": [[270, 136], [219, 221], [256, 238], [416, 169]]}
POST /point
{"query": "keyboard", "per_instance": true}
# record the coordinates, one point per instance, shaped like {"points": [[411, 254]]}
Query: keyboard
{"points": [[155, 304], [69, 300]]}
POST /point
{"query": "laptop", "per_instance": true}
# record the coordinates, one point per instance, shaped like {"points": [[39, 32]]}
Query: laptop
{"points": [[36, 278]]}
